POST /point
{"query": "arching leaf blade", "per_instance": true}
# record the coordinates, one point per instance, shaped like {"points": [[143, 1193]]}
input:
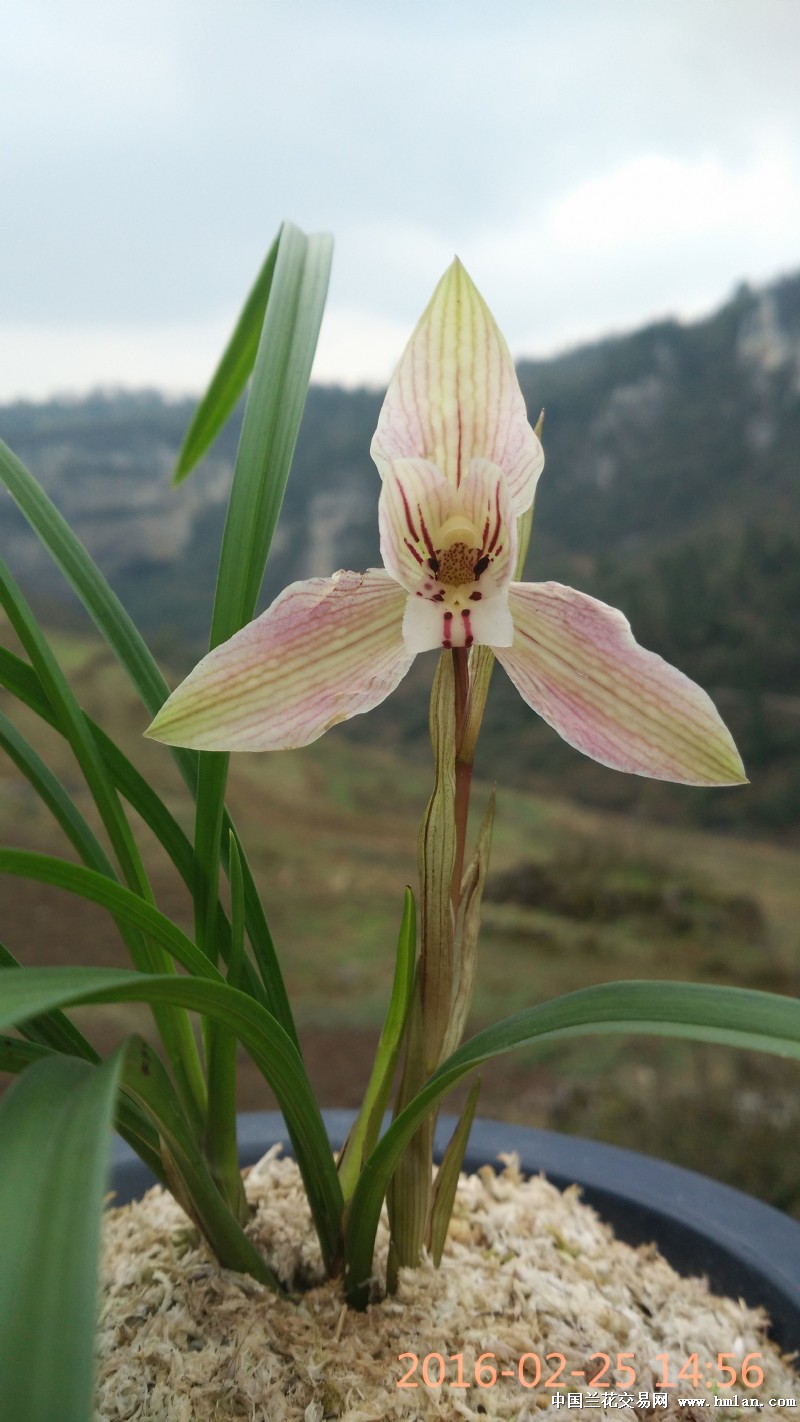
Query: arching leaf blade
{"points": [[30, 992], [736, 1016], [55, 1133], [230, 376], [21, 680]]}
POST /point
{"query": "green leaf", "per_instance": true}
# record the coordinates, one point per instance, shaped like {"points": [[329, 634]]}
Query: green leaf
{"points": [[221, 1145], [29, 992], [72, 723], [54, 1030], [236, 964], [17, 1053], [292, 316], [737, 1016], [366, 1127], [55, 1033], [123, 638], [145, 1080], [55, 1131], [122, 902], [174, 1027], [271, 422], [102, 604], [22, 682], [230, 376], [52, 794], [444, 1190]]}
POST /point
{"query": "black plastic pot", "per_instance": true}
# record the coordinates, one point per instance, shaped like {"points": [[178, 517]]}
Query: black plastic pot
{"points": [[746, 1248]]}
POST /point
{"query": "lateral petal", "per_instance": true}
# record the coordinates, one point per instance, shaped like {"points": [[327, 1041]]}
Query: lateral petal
{"points": [[486, 500], [327, 649], [415, 501], [576, 662], [455, 397]]}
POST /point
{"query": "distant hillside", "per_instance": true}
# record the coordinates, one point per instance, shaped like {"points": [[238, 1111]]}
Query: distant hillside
{"points": [[670, 490]]}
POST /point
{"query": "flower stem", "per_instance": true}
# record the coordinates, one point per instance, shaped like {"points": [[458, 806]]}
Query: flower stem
{"points": [[463, 769], [443, 982]]}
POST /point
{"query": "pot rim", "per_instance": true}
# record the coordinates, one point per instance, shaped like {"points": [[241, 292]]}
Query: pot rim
{"points": [[746, 1248]]}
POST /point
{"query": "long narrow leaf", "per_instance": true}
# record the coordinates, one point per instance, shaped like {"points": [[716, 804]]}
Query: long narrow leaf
{"points": [[230, 376], [72, 722], [130, 649], [100, 601], [144, 1078], [271, 422], [16, 1054], [444, 1190], [366, 1126], [298, 283], [738, 1016], [52, 793], [221, 1142], [29, 992], [174, 1027], [54, 1030], [292, 316], [55, 1131], [122, 902], [22, 681]]}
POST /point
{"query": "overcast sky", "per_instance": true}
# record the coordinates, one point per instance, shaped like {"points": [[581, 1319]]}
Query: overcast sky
{"points": [[594, 163]]}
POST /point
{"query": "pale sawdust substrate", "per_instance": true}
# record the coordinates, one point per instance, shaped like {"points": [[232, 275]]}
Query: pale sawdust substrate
{"points": [[526, 1269]]}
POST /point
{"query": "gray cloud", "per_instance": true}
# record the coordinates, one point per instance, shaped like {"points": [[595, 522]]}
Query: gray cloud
{"points": [[150, 150]]}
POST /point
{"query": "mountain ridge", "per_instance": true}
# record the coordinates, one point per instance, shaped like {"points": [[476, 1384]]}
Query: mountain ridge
{"points": [[670, 490]]}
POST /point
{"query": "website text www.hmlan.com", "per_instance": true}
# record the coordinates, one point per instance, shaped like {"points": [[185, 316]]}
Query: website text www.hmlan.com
{"points": [[732, 1400]]}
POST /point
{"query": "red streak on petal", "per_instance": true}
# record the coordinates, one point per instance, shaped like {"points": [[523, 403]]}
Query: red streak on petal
{"points": [[499, 522], [415, 553], [426, 536], [407, 510]]}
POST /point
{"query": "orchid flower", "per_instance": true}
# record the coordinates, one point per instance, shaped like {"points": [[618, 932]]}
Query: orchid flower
{"points": [[459, 465]]}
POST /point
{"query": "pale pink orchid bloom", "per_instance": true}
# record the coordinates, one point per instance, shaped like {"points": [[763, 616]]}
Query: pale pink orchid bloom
{"points": [[459, 464]]}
